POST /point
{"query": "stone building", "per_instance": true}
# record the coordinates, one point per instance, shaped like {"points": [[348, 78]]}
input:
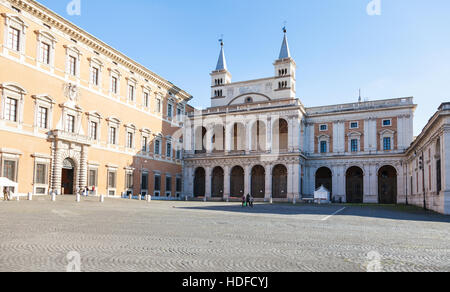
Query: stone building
{"points": [[258, 138], [75, 112]]}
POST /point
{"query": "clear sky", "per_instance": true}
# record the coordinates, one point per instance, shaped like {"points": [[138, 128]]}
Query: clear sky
{"points": [[337, 46]]}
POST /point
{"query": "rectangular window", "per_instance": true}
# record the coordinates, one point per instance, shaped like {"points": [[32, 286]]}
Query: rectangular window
{"points": [[131, 92], [41, 174], [112, 179], [354, 145], [144, 181], [114, 85], [11, 109], [14, 39], [9, 170], [112, 135], [130, 140], [93, 130], [178, 154], [129, 180], [157, 183], [146, 99], [95, 74], [43, 117], [323, 147], [144, 144], [70, 126], [323, 127], [158, 106], [72, 65], [45, 57], [170, 110], [178, 185], [92, 177], [157, 147], [179, 114], [354, 125], [168, 184], [386, 123], [169, 150], [387, 143]]}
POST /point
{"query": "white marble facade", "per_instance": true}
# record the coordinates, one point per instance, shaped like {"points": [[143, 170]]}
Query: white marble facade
{"points": [[258, 138]]}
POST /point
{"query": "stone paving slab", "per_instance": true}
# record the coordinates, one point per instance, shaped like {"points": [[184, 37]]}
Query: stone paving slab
{"points": [[130, 235]]}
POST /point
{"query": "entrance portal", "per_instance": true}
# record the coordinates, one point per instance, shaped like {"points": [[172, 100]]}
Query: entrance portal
{"points": [[67, 177]]}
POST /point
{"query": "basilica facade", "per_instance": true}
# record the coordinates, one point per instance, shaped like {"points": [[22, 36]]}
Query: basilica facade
{"points": [[258, 138]]}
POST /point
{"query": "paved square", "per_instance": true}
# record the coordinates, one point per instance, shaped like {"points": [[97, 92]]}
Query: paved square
{"points": [[124, 235]]}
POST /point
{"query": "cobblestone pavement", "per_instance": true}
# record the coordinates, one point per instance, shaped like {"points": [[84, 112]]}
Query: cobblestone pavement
{"points": [[124, 235]]}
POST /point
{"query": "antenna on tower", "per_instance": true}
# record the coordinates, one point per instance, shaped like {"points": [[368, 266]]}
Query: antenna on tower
{"points": [[359, 99], [284, 26], [221, 40]]}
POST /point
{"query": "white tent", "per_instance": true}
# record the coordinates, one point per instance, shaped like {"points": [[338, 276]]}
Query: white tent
{"points": [[5, 182], [322, 195]]}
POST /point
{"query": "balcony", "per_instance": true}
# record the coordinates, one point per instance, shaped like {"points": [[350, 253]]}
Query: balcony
{"points": [[70, 137]]}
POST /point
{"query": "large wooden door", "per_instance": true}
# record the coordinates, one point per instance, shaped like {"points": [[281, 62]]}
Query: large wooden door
{"points": [[199, 182], [237, 182], [217, 182], [258, 182], [355, 185], [279, 182], [387, 185]]}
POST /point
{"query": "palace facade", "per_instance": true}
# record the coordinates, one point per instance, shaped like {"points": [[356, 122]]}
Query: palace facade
{"points": [[75, 112], [258, 138]]}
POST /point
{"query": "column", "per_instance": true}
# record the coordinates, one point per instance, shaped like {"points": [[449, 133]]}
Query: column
{"points": [[56, 170], [290, 193], [269, 134], [247, 174], [296, 181], [226, 183], [268, 182], [248, 137], [208, 138], [228, 130], [208, 182], [290, 134], [83, 166]]}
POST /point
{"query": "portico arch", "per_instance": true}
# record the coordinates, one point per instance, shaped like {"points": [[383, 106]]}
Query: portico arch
{"points": [[237, 182], [199, 182], [387, 185], [68, 177], [258, 182], [217, 182], [279, 182], [355, 185]]}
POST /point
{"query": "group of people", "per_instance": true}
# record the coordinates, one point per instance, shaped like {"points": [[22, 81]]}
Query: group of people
{"points": [[247, 201], [7, 194]]}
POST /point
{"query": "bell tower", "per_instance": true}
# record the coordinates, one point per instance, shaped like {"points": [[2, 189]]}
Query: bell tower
{"points": [[220, 76], [285, 69]]}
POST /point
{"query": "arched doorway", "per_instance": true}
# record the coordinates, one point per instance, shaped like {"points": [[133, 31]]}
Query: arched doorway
{"points": [[280, 135], [258, 182], [199, 182], [324, 177], [238, 137], [200, 140], [68, 177], [387, 185], [217, 182], [259, 136], [279, 182], [237, 182], [355, 185]]}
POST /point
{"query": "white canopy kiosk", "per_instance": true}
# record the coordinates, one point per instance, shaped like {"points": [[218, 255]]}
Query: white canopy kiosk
{"points": [[322, 195]]}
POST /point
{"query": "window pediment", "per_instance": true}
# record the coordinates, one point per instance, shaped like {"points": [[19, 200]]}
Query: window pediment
{"points": [[354, 134], [387, 132], [44, 98]]}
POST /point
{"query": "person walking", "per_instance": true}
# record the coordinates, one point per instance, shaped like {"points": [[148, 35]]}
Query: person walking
{"points": [[243, 201], [248, 200], [5, 194], [251, 201]]}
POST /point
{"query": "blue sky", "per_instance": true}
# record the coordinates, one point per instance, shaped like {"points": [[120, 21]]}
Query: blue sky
{"points": [[337, 46]]}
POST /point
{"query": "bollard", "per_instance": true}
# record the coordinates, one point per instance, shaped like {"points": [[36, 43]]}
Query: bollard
{"points": [[271, 200], [17, 198], [294, 201], [140, 197], [149, 198], [185, 198], [30, 196], [78, 198], [102, 198], [131, 196], [53, 197], [204, 200]]}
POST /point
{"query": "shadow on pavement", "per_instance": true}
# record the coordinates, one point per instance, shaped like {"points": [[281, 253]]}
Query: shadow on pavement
{"points": [[394, 212]]}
